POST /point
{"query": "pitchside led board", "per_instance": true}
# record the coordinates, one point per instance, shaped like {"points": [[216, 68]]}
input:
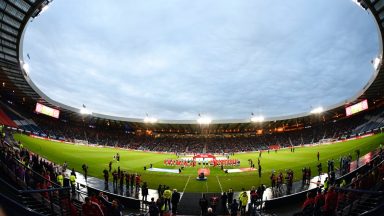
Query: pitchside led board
{"points": [[363, 105], [40, 108]]}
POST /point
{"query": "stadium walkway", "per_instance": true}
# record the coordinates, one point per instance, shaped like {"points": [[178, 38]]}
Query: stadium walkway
{"points": [[189, 201]]}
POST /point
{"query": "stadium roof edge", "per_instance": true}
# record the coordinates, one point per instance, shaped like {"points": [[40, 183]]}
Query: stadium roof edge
{"points": [[27, 88]]}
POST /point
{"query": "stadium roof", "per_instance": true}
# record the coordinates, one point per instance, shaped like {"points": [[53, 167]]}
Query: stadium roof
{"points": [[17, 13]]}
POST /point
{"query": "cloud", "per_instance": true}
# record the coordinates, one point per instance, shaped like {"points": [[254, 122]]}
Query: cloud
{"points": [[177, 58]]}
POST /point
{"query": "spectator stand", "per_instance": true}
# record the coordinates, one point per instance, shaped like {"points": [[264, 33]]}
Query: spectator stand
{"points": [[54, 200]]}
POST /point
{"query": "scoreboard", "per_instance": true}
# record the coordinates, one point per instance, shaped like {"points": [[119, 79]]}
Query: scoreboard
{"points": [[363, 105], [40, 108]]}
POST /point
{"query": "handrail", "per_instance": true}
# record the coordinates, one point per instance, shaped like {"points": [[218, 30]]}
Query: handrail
{"points": [[360, 191], [34, 172], [377, 208], [54, 207], [44, 190], [365, 174], [20, 206], [337, 179], [8, 185]]}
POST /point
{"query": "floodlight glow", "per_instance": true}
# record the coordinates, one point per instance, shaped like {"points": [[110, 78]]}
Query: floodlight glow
{"points": [[317, 110], [257, 119], [84, 111], [204, 120], [150, 120], [26, 68], [356, 2], [44, 8], [360, 4], [376, 62]]}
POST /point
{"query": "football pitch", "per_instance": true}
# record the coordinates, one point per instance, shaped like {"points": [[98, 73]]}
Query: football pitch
{"points": [[98, 159]]}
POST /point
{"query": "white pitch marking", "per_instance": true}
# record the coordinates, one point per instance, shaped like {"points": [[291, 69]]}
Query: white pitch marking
{"points": [[185, 187], [219, 184]]}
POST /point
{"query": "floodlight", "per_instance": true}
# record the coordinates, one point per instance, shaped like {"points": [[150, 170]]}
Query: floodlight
{"points": [[257, 119], [356, 2], [361, 4], [376, 62], [204, 120], [317, 110], [150, 120], [44, 8], [85, 111], [26, 68]]}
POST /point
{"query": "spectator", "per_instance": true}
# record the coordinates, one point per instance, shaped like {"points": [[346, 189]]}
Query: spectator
{"points": [[60, 179], [175, 201], [106, 178], [113, 208], [253, 195], [144, 191], [330, 202], [224, 200], [85, 170], [214, 200], [309, 204], [90, 208], [203, 203], [160, 190], [160, 205], [243, 197], [153, 208], [230, 196], [167, 198], [234, 207], [319, 202], [343, 183], [72, 180]]}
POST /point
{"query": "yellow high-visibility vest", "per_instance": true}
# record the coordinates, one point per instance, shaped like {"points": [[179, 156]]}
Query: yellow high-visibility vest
{"points": [[60, 180], [72, 178]]}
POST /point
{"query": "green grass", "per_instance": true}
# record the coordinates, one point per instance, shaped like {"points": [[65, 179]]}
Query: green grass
{"points": [[134, 161]]}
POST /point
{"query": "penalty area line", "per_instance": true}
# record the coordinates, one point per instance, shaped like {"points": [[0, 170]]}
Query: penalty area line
{"points": [[219, 184]]}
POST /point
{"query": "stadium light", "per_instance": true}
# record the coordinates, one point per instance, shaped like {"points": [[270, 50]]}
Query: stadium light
{"points": [[257, 119], [26, 68], [45, 8], [150, 120], [361, 4], [376, 62], [85, 111], [317, 110], [204, 120]]}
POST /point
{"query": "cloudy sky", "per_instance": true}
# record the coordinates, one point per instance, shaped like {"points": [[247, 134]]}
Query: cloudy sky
{"points": [[174, 59]]}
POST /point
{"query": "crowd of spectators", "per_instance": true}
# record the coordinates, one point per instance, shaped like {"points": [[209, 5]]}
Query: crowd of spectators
{"points": [[32, 172], [336, 196], [197, 143], [228, 203], [91, 132], [101, 205], [167, 201], [37, 173]]}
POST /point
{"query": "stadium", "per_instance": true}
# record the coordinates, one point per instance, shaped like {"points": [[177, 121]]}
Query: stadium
{"points": [[61, 158]]}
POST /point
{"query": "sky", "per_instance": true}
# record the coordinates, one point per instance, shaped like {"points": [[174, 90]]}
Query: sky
{"points": [[174, 59]]}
